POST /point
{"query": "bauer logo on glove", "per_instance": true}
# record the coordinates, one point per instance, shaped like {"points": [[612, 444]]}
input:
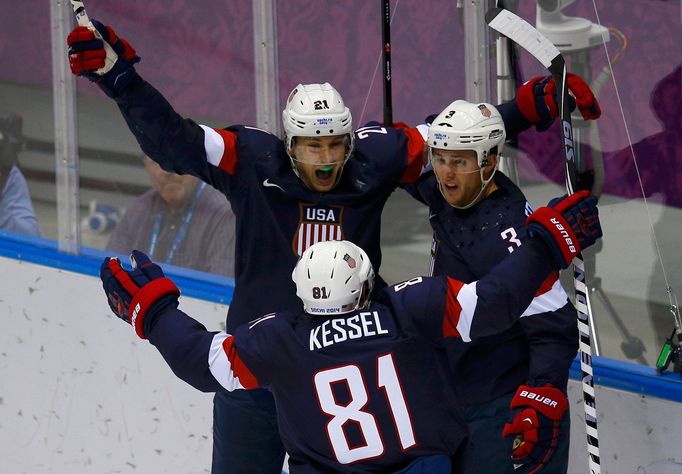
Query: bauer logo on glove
{"points": [[567, 225], [564, 233], [539, 398]]}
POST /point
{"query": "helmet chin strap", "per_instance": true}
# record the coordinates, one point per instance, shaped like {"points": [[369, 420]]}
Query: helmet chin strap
{"points": [[479, 196]]}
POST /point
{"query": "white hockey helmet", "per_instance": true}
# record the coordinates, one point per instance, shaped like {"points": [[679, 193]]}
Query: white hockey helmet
{"points": [[468, 126], [333, 277], [316, 110]]}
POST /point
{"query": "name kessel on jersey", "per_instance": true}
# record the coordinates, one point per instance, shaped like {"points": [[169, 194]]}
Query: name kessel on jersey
{"points": [[334, 331], [317, 224]]}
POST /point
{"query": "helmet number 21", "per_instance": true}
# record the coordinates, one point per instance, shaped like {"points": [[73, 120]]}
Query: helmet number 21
{"points": [[351, 411]]}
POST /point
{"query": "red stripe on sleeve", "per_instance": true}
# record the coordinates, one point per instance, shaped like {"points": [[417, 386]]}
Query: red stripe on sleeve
{"points": [[548, 283], [241, 371], [452, 308], [415, 155], [228, 162]]}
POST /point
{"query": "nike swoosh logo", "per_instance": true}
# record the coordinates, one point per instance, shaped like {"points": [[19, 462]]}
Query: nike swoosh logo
{"points": [[268, 184], [529, 420], [431, 216]]}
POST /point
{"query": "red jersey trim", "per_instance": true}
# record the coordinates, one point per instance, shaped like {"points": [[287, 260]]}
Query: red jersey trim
{"points": [[240, 370], [548, 283], [415, 155], [452, 308], [228, 162]]}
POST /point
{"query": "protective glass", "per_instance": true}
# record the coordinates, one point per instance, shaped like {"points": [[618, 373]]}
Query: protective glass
{"points": [[454, 161]]}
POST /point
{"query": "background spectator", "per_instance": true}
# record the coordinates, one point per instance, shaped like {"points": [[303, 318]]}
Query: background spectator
{"points": [[179, 221], [16, 210]]}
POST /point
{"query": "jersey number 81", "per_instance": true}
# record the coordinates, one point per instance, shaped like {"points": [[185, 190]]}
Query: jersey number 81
{"points": [[387, 379]]}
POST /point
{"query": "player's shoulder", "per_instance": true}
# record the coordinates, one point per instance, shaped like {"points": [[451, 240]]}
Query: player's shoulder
{"points": [[266, 331], [413, 289], [254, 137], [509, 187], [269, 321], [373, 137], [507, 201]]}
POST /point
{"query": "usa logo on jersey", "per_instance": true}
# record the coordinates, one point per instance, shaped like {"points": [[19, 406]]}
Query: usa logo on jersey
{"points": [[318, 223]]}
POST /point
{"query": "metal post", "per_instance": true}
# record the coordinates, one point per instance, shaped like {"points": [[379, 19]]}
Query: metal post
{"points": [[476, 58], [65, 131], [505, 92], [266, 66]]}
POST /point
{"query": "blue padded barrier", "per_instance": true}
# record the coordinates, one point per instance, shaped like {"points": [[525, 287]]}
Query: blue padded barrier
{"points": [[608, 372], [205, 286]]}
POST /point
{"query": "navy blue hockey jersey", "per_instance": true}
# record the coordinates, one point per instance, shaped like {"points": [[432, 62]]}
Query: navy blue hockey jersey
{"points": [[277, 216], [365, 391], [466, 245]]}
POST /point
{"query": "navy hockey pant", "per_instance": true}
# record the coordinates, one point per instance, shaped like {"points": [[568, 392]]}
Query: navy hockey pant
{"points": [[245, 436]]}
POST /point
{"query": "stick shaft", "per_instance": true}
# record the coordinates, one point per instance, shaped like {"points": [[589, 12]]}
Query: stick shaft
{"points": [[79, 10], [386, 54], [83, 20], [526, 36]]}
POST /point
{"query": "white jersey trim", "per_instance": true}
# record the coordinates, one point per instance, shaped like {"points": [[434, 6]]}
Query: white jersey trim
{"points": [[549, 301], [467, 299], [214, 145], [424, 131], [220, 365]]}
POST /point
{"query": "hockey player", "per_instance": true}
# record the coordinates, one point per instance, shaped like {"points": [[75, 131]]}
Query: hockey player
{"points": [[478, 218], [322, 182], [359, 386]]}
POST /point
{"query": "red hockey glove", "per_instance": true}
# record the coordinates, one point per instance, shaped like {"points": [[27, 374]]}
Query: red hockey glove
{"points": [[137, 293], [111, 69], [536, 414], [537, 99], [568, 225]]}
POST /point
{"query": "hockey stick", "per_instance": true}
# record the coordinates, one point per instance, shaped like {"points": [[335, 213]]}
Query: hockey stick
{"points": [[386, 52], [530, 39], [83, 20]]}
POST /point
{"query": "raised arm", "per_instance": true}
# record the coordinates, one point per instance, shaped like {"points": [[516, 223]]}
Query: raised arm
{"points": [[146, 299], [495, 302], [178, 144]]}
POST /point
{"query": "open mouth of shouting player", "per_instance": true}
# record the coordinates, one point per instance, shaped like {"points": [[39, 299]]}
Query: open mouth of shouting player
{"points": [[319, 160]]}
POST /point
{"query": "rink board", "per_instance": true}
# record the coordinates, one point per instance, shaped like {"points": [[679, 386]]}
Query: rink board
{"points": [[81, 393]]}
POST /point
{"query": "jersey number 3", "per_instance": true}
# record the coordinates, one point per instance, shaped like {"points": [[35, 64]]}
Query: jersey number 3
{"points": [[351, 412]]}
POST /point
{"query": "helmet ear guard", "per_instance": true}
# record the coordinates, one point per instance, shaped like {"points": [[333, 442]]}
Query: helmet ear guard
{"points": [[333, 277]]}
